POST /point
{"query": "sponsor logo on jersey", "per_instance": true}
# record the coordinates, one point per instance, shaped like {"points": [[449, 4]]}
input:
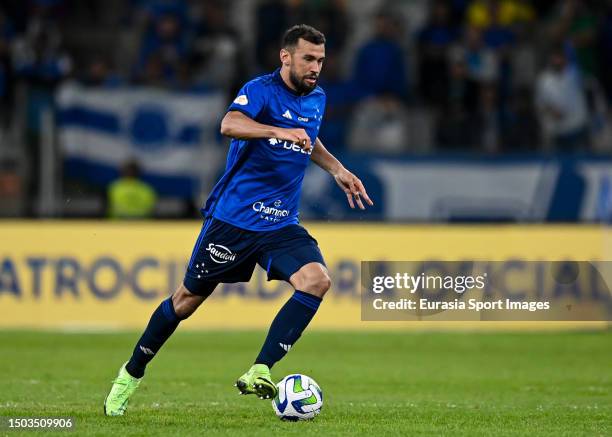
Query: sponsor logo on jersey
{"points": [[304, 119], [288, 146], [242, 99], [287, 115], [270, 213], [220, 254]]}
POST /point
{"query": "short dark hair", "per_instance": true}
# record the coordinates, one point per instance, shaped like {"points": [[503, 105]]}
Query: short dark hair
{"points": [[304, 31]]}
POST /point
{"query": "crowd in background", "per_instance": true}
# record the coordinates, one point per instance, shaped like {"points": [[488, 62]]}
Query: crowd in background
{"points": [[481, 75], [401, 77]]}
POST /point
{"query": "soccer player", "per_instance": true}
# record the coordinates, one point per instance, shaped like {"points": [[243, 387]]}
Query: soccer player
{"points": [[251, 216]]}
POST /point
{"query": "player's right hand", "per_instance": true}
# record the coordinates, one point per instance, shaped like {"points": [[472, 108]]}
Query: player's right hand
{"points": [[296, 136]]}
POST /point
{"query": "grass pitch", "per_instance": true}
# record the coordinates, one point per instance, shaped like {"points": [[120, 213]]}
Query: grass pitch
{"points": [[555, 384]]}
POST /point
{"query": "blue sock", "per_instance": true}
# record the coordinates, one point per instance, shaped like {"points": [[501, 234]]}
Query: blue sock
{"points": [[288, 326], [161, 326]]}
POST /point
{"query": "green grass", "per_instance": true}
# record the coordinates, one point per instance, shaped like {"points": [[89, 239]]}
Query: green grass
{"points": [[556, 384]]}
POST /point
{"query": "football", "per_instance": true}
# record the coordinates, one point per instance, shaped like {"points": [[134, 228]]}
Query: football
{"points": [[299, 398]]}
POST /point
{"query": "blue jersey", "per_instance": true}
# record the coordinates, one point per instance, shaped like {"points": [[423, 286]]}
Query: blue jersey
{"points": [[260, 188]]}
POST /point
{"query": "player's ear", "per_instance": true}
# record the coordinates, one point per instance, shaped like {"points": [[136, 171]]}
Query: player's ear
{"points": [[285, 57]]}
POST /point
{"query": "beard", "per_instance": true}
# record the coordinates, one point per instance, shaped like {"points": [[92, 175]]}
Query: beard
{"points": [[300, 83]]}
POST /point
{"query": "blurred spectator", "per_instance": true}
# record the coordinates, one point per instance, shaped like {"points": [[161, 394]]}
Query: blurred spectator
{"points": [[463, 86], [164, 48], [562, 104], [216, 46], [342, 95], [38, 56], [455, 127], [40, 62], [99, 73], [380, 125], [501, 13], [575, 23], [380, 66], [501, 23], [129, 197], [434, 42], [497, 32], [481, 63]]}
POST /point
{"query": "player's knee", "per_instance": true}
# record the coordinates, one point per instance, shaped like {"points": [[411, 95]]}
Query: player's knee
{"points": [[311, 278], [185, 308], [185, 303], [323, 284], [316, 284]]}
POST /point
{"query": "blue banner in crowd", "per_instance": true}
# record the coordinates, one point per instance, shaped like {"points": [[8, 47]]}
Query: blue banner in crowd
{"points": [[168, 133]]}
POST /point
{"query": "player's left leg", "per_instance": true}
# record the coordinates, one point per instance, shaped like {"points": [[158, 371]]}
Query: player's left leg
{"points": [[292, 255], [311, 282]]}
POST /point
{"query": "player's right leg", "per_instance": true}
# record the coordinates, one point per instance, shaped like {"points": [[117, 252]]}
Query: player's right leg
{"points": [[222, 253], [162, 324]]}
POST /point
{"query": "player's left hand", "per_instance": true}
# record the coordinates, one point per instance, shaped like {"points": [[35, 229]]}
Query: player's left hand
{"points": [[353, 188]]}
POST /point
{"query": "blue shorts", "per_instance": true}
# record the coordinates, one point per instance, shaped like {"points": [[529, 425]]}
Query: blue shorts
{"points": [[225, 253]]}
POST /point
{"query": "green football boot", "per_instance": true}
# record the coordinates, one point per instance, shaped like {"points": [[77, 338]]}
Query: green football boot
{"points": [[123, 387], [257, 381]]}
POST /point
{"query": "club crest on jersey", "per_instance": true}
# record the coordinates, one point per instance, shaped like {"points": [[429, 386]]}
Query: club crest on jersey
{"points": [[288, 146], [220, 254]]}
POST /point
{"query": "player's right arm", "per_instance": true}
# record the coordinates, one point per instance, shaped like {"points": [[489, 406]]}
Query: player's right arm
{"points": [[240, 120], [236, 124]]}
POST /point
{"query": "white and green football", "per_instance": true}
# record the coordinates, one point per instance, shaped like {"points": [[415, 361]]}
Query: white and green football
{"points": [[299, 398]]}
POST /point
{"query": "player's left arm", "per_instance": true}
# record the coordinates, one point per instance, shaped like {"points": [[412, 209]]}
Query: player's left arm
{"points": [[347, 181]]}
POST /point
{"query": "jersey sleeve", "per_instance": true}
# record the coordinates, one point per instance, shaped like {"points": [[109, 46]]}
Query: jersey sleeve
{"points": [[250, 99]]}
